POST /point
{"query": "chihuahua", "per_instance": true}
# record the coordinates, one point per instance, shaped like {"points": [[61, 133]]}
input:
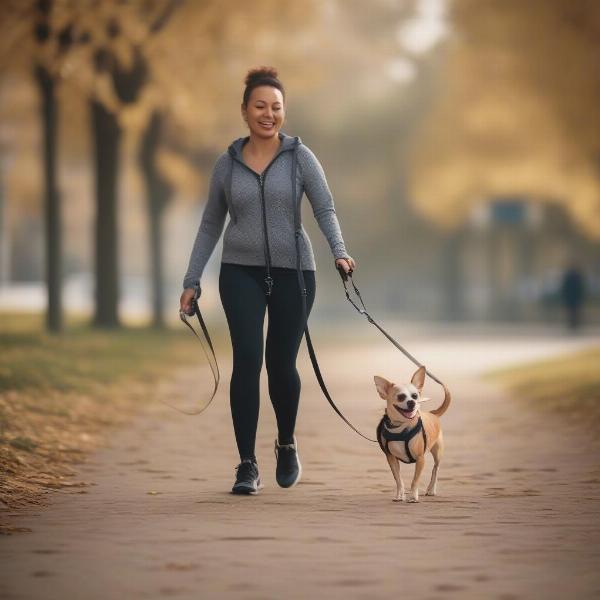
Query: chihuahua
{"points": [[405, 434]]}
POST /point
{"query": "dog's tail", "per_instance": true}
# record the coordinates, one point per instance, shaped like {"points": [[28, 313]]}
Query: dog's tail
{"points": [[445, 404]]}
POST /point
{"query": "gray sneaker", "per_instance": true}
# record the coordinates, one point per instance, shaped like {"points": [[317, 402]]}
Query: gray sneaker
{"points": [[289, 469], [247, 479]]}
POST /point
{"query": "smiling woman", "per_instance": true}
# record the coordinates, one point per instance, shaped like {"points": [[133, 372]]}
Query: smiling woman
{"points": [[267, 263], [263, 106], [263, 110]]}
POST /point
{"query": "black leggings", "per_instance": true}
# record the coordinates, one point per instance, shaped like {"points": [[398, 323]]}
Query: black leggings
{"points": [[242, 291]]}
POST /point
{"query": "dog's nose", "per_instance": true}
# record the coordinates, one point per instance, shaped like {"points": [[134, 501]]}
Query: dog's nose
{"points": [[411, 404]]}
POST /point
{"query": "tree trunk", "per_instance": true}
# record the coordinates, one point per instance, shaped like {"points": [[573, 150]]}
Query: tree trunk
{"points": [[4, 236], [157, 270], [128, 82], [158, 193], [107, 137], [54, 318]]}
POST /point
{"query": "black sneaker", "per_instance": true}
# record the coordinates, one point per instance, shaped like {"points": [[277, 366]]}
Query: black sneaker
{"points": [[247, 479], [289, 469]]}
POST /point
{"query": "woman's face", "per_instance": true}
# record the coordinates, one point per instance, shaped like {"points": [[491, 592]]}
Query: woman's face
{"points": [[265, 112]]}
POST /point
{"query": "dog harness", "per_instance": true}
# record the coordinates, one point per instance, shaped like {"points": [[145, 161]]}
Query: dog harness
{"points": [[384, 436]]}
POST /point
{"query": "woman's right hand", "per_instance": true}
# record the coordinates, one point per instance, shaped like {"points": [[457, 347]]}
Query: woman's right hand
{"points": [[185, 302]]}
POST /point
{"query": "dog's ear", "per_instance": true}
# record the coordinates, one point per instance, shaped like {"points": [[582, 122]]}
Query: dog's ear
{"points": [[382, 385], [418, 379]]}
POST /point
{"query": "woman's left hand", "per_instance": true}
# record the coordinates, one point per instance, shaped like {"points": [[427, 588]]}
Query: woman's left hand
{"points": [[346, 263]]}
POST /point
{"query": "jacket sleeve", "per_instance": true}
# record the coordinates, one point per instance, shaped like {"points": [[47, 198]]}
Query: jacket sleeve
{"points": [[211, 225], [321, 200]]}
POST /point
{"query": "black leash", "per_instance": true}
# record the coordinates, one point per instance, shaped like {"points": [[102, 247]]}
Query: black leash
{"points": [[311, 350], [213, 367], [344, 276], [363, 311]]}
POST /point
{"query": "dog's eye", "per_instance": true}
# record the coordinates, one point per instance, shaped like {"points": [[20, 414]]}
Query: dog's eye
{"points": [[401, 397], [414, 396]]}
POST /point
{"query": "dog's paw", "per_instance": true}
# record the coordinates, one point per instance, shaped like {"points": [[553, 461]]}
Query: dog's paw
{"points": [[400, 498], [431, 493], [413, 498]]}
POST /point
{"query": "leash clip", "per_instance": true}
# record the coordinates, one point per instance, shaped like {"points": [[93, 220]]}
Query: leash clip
{"points": [[269, 282]]}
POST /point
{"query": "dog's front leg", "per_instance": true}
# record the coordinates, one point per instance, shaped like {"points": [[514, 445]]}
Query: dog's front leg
{"points": [[413, 495], [395, 467]]}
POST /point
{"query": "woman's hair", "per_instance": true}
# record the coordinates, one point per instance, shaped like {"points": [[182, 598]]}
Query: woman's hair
{"points": [[261, 76]]}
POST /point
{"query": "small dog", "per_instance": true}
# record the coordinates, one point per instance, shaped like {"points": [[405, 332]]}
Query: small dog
{"points": [[405, 434]]}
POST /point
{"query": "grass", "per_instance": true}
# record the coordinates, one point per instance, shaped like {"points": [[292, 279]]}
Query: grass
{"points": [[60, 394], [568, 386], [83, 358]]}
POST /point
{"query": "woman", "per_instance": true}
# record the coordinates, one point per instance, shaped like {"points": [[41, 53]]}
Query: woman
{"points": [[254, 182]]}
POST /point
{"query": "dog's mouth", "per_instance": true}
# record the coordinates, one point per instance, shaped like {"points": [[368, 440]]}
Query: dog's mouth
{"points": [[409, 414]]}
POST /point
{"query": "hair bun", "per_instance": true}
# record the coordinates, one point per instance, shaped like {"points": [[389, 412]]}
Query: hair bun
{"points": [[260, 73]]}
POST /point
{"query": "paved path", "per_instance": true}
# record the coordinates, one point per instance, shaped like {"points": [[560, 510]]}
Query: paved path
{"points": [[518, 514]]}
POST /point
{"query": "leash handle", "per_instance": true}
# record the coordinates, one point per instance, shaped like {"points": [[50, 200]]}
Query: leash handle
{"points": [[341, 271], [193, 303], [214, 365], [197, 293]]}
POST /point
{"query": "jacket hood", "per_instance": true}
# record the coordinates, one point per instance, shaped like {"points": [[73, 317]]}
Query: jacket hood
{"points": [[288, 142]]}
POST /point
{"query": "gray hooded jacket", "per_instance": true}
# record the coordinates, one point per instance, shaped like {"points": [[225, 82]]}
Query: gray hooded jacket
{"points": [[236, 189]]}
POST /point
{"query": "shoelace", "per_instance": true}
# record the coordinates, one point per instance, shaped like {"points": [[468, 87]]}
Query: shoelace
{"points": [[250, 469]]}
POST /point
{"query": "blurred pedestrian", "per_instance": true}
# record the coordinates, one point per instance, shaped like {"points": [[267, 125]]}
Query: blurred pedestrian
{"points": [[572, 292]]}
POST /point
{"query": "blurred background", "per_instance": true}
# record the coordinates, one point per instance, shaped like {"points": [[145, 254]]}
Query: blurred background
{"points": [[461, 142], [460, 139]]}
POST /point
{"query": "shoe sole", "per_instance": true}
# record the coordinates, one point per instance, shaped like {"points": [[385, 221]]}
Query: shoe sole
{"points": [[297, 478]]}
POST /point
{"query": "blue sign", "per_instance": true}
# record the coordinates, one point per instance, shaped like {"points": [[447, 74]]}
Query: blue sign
{"points": [[511, 212]]}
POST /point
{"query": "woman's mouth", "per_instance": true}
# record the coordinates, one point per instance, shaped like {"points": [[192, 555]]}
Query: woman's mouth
{"points": [[267, 124]]}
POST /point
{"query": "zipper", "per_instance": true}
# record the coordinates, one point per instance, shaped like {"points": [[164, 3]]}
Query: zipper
{"points": [[268, 278], [261, 184]]}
